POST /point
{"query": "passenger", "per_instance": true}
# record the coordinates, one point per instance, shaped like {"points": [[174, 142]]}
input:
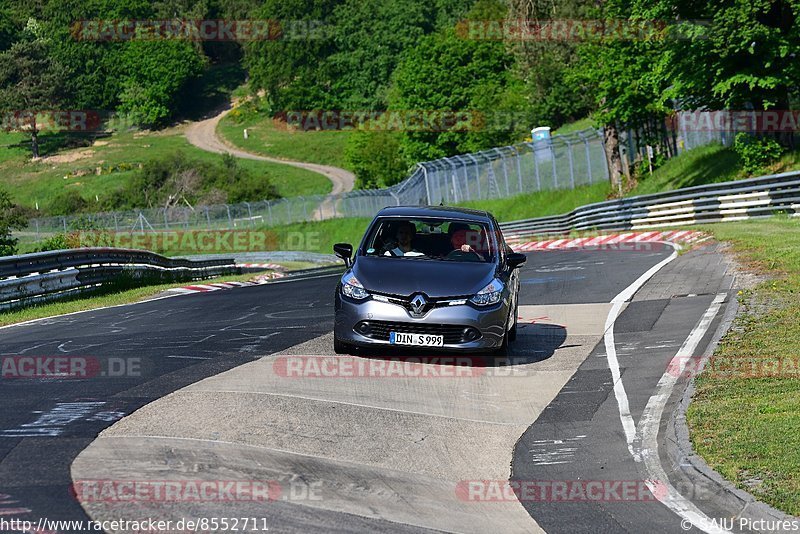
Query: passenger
{"points": [[405, 234]]}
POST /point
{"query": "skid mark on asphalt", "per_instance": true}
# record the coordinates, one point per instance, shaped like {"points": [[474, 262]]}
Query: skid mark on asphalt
{"points": [[409, 435], [618, 303], [647, 431], [554, 451]]}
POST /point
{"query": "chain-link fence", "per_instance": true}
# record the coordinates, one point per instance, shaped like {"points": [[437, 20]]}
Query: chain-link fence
{"points": [[561, 162], [564, 161]]}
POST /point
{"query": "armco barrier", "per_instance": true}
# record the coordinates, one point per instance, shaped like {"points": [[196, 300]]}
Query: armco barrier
{"points": [[728, 201], [31, 278]]}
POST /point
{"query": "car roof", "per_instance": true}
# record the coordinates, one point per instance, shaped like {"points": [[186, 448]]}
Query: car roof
{"points": [[445, 212]]}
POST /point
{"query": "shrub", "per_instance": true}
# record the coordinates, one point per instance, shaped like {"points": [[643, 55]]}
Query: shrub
{"points": [[11, 218], [756, 152], [67, 203], [376, 159]]}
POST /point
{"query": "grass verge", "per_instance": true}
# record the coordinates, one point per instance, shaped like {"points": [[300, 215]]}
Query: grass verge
{"points": [[542, 203], [745, 413], [32, 182], [269, 137], [102, 299]]}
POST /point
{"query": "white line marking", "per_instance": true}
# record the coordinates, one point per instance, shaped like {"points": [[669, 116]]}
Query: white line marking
{"points": [[189, 357], [611, 353], [647, 432]]}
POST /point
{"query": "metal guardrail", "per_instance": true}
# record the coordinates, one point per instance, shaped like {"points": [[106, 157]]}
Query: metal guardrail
{"points": [[32, 278], [727, 201]]}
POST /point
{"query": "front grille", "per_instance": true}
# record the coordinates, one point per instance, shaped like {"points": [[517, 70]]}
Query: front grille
{"points": [[452, 332], [432, 303]]}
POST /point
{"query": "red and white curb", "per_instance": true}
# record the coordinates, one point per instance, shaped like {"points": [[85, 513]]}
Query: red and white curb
{"points": [[215, 286], [204, 288], [611, 240], [273, 266]]}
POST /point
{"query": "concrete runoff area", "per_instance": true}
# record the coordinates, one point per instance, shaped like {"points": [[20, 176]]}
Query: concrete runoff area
{"points": [[393, 448]]}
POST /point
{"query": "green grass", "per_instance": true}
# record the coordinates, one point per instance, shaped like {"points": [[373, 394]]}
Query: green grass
{"points": [[270, 138], [702, 165], [31, 182], [541, 204], [746, 424], [320, 236], [101, 299], [576, 126]]}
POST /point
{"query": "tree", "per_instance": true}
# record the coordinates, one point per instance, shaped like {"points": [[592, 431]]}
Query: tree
{"points": [[375, 158], [154, 75], [31, 81], [292, 66], [545, 65], [11, 218], [370, 37], [448, 73], [746, 57]]}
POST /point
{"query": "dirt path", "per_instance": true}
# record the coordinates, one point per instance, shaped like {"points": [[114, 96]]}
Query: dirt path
{"points": [[203, 135]]}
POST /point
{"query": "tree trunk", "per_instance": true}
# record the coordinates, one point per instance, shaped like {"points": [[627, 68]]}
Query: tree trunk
{"points": [[34, 137], [613, 158], [35, 143]]}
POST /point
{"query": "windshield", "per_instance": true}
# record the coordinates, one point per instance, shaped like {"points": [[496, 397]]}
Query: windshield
{"points": [[430, 239]]}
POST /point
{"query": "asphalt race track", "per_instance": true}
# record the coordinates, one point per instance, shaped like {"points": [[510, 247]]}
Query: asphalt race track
{"points": [[218, 387]]}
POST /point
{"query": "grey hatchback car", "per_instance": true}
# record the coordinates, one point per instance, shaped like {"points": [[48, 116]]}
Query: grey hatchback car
{"points": [[434, 277]]}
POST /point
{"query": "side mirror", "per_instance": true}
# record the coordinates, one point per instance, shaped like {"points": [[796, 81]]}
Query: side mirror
{"points": [[345, 252], [515, 259]]}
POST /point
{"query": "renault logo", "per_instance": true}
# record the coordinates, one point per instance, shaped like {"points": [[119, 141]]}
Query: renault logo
{"points": [[418, 304]]}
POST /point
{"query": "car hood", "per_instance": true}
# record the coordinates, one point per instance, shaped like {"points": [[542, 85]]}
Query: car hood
{"points": [[404, 277]]}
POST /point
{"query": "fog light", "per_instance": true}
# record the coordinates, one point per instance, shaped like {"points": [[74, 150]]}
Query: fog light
{"points": [[363, 328], [470, 334]]}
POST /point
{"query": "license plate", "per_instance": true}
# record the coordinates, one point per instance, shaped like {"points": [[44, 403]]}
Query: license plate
{"points": [[424, 340]]}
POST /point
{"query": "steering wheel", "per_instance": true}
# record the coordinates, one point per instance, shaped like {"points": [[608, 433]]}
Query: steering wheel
{"points": [[459, 254]]}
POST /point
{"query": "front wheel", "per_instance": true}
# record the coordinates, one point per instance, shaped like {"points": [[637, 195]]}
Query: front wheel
{"points": [[512, 333], [502, 350]]}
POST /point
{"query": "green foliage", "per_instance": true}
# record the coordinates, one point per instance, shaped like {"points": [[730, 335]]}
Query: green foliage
{"points": [[54, 242], [370, 36], [153, 74], [68, 202], [11, 218], [344, 53], [756, 152], [30, 80], [176, 179], [293, 69], [448, 72], [375, 158]]}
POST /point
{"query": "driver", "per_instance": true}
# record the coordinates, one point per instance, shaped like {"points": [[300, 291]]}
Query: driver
{"points": [[405, 233], [460, 234]]}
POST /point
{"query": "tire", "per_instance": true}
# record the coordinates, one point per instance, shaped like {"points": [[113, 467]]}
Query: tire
{"points": [[340, 347], [502, 350], [512, 334]]}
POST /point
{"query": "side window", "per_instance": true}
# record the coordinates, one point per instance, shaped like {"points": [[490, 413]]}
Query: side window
{"points": [[502, 248]]}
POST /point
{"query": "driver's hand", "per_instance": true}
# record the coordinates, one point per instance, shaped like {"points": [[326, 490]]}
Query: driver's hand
{"points": [[466, 248]]}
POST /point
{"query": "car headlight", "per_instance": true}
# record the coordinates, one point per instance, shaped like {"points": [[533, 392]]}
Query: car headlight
{"points": [[352, 288], [491, 294]]}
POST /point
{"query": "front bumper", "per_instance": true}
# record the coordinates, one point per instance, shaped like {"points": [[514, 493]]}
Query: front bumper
{"points": [[490, 322]]}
